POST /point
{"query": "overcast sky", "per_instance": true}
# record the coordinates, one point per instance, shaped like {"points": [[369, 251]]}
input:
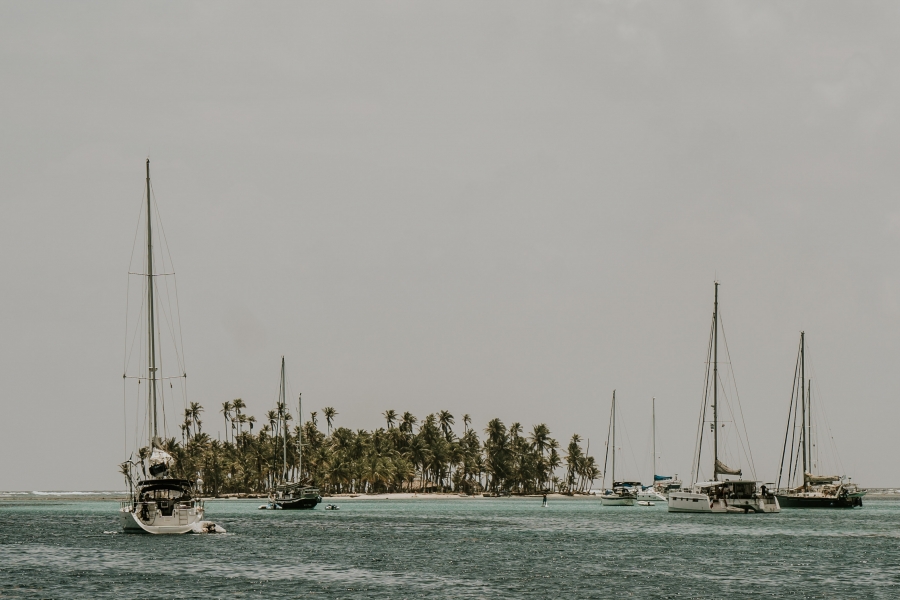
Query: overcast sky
{"points": [[501, 209]]}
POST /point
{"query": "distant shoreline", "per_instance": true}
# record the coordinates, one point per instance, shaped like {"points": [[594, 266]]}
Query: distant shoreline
{"points": [[37, 497]]}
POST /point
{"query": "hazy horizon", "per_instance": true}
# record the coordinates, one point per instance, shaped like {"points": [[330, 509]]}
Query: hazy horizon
{"points": [[505, 209]]}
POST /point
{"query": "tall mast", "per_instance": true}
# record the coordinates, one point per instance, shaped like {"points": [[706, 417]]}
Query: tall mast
{"points": [[715, 405], [614, 439], [654, 441], [300, 437], [804, 429], [813, 462], [151, 325], [284, 423]]}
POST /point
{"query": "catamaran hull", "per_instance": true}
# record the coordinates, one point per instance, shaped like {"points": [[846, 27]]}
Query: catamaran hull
{"points": [[819, 501], [689, 502], [176, 524]]}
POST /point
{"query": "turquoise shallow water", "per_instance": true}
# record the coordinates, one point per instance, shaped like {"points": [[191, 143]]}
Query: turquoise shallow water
{"points": [[466, 548]]}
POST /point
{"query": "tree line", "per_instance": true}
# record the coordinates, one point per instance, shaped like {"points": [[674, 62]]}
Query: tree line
{"points": [[404, 455]]}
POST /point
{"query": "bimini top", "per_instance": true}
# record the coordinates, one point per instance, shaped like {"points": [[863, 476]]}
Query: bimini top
{"points": [[174, 484]]}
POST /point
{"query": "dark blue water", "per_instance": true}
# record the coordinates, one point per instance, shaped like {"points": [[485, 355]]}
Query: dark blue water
{"points": [[456, 548]]}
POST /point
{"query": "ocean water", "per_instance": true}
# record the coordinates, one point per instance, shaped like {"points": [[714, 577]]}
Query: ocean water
{"points": [[454, 548]]}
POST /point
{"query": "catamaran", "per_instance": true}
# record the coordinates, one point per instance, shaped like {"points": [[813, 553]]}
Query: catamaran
{"points": [[622, 493], [290, 495], [158, 503], [719, 495], [815, 491]]}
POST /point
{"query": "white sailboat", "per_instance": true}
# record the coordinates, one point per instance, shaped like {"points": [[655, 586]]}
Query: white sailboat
{"points": [[158, 503], [720, 495], [651, 493], [622, 493]]}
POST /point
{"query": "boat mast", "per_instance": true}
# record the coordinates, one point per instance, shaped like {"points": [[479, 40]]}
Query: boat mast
{"points": [[654, 441], [300, 437], [284, 424], [151, 325], [804, 431], [614, 439], [813, 461], [716, 385]]}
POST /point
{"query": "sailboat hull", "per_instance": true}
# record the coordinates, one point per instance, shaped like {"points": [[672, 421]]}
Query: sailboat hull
{"points": [[176, 524], [791, 501], [299, 503]]}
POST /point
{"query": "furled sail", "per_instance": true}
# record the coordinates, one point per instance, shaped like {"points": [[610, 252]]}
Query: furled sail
{"points": [[661, 477], [723, 469], [810, 478], [159, 462]]}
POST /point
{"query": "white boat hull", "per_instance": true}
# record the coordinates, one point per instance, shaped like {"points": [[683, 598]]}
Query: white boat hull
{"points": [[182, 520], [693, 502], [651, 496], [616, 501]]}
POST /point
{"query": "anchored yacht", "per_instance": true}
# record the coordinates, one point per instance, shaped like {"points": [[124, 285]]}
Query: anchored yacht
{"points": [[725, 495], [158, 502]]}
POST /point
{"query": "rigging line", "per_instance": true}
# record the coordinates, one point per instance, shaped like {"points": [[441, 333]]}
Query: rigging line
{"points": [[737, 395], [175, 285], [606, 459], [137, 326], [125, 415], [821, 409], [137, 228], [795, 444], [796, 447], [138, 422], [168, 316], [737, 431], [630, 445], [161, 259], [787, 428], [698, 444]]}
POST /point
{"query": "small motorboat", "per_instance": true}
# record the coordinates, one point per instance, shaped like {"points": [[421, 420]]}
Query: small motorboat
{"points": [[646, 503], [332, 507]]}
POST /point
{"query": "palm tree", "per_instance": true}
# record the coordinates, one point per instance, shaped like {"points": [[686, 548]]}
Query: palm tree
{"points": [[573, 457], [238, 404], [496, 450], [540, 442], [390, 416], [467, 420], [312, 417], [226, 411], [330, 414], [445, 419], [407, 422], [194, 411]]}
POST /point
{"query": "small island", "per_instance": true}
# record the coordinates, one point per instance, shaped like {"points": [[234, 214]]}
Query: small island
{"points": [[404, 456]]}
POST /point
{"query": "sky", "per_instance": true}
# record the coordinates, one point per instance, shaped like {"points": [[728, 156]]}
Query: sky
{"points": [[503, 209]]}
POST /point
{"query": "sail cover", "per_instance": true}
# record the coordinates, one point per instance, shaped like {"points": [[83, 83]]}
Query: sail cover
{"points": [[159, 461], [723, 469], [661, 477], [810, 478]]}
